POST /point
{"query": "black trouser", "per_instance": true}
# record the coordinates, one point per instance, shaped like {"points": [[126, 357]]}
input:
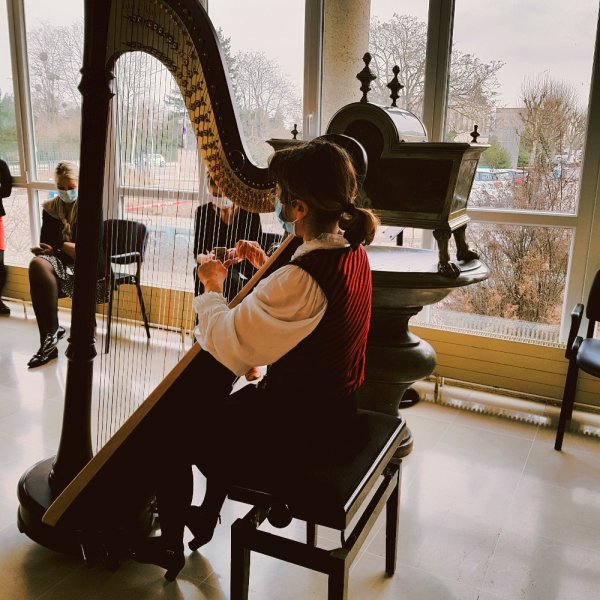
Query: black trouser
{"points": [[229, 437]]}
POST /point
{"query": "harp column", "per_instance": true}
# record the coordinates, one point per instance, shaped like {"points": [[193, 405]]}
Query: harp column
{"points": [[40, 485]]}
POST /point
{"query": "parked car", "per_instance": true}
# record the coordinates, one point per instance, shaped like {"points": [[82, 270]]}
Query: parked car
{"points": [[490, 184], [150, 160]]}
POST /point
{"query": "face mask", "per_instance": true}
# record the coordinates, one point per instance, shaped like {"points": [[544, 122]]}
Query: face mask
{"points": [[289, 226], [221, 202], [68, 196]]}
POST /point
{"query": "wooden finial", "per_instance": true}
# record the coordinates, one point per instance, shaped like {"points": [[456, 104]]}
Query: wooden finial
{"points": [[295, 131], [365, 77], [394, 85], [474, 134]]}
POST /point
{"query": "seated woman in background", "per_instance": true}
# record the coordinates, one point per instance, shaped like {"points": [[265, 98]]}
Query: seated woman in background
{"points": [[220, 223], [52, 270]]}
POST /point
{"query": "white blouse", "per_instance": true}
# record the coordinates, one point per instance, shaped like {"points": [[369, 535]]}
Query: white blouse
{"points": [[283, 309]]}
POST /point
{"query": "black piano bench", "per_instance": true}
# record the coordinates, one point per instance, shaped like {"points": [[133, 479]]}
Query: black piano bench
{"points": [[332, 496]]}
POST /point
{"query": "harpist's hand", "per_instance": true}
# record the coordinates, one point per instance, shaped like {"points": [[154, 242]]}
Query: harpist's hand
{"points": [[212, 274], [253, 374], [251, 251]]}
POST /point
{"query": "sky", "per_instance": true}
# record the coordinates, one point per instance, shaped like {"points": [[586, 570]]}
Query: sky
{"points": [[530, 36]]}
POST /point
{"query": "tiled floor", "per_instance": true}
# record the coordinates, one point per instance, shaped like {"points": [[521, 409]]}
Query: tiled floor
{"points": [[489, 511]]}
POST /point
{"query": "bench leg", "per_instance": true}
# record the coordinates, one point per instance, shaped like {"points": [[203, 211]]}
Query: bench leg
{"points": [[240, 563], [391, 527], [311, 534], [338, 582]]}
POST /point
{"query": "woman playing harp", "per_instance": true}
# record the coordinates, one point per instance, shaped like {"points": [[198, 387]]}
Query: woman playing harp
{"points": [[308, 320]]}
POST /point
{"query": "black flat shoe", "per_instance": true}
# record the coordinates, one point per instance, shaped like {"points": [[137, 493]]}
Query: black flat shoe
{"points": [[152, 551], [41, 358], [202, 525], [60, 332], [50, 342]]}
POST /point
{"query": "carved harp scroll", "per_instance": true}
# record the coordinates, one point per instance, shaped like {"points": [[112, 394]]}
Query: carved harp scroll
{"points": [[181, 36]]}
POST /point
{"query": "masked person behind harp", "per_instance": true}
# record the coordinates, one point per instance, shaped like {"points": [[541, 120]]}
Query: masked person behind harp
{"points": [[308, 320], [221, 223]]}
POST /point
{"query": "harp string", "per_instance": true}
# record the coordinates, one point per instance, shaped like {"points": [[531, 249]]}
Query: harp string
{"points": [[147, 72]]}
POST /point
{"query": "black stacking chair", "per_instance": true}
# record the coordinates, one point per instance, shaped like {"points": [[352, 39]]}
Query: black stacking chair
{"points": [[125, 243], [582, 353]]}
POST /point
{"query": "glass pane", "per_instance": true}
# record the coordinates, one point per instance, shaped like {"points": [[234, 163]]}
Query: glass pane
{"points": [[523, 297], [55, 52], [8, 126], [16, 229], [157, 146], [170, 240], [398, 36], [528, 96], [266, 66]]}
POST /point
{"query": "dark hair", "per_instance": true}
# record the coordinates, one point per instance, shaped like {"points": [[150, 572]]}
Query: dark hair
{"points": [[321, 173]]}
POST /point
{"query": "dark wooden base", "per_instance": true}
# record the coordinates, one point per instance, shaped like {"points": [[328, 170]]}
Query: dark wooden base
{"points": [[35, 497], [106, 545]]}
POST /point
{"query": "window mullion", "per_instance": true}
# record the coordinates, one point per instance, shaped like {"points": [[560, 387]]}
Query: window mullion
{"points": [[439, 46], [24, 117]]}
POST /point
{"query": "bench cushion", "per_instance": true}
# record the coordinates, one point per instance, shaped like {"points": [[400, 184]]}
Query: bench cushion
{"points": [[324, 494]]}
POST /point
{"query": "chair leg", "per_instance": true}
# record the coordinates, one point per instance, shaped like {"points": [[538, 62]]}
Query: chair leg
{"points": [[142, 308], [311, 534], [108, 321], [566, 408], [240, 563], [391, 527]]}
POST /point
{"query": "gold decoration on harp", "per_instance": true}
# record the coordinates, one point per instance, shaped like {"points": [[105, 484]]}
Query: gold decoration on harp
{"points": [[172, 44]]}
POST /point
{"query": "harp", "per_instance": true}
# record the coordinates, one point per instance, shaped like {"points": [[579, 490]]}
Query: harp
{"points": [[180, 36]]}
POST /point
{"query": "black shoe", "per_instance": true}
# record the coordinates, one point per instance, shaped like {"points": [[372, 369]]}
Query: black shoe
{"points": [[41, 358], [60, 332], [4, 310], [50, 342], [202, 525], [153, 551]]}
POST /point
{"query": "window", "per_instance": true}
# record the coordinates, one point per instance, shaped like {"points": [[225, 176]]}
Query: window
{"points": [[266, 66], [8, 125], [529, 98], [55, 54]]}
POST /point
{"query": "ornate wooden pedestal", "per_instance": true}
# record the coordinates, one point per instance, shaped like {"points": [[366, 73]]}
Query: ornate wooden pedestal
{"points": [[404, 280]]}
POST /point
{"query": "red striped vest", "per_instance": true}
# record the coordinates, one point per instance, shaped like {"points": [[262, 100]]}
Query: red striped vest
{"points": [[330, 362]]}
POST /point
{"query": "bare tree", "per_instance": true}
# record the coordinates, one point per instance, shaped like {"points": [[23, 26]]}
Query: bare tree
{"points": [[55, 58], [402, 41], [472, 91], [553, 121], [268, 102]]}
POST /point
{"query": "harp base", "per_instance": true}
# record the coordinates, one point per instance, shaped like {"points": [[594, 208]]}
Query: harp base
{"points": [[35, 496]]}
